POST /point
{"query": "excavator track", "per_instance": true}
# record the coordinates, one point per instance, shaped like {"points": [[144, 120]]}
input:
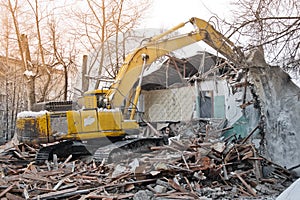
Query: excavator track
{"points": [[113, 152], [123, 150], [43, 155], [62, 150]]}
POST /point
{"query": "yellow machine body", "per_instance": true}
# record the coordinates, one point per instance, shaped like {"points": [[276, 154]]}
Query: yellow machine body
{"points": [[75, 125]]}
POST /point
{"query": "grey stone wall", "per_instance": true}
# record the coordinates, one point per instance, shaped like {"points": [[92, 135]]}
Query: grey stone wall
{"points": [[280, 105]]}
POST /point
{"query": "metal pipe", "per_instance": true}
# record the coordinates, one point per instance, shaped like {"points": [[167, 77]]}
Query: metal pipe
{"points": [[168, 31], [139, 87]]}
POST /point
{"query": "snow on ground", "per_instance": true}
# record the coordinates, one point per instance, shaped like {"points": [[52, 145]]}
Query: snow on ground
{"points": [[291, 193]]}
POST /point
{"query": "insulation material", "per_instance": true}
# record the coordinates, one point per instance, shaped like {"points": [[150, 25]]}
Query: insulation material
{"points": [[169, 104]]}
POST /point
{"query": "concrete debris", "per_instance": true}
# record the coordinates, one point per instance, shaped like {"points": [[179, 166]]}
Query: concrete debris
{"points": [[205, 169], [142, 195], [119, 169]]}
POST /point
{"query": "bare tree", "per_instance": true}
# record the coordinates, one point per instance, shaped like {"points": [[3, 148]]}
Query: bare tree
{"points": [[25, 55], [11, 81], [37, 61], [104, 28], [55, 52], [35, 9], [52, 49], [272, 24], [61, 55], [35, 37]]}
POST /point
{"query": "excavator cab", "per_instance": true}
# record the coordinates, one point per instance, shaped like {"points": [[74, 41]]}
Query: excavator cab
{"points": [[95, 99]]}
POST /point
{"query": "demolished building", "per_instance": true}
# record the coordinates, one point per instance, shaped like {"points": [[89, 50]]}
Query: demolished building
{"points": [[260, 100], [198, 90], [202, 167], [215, 110]]}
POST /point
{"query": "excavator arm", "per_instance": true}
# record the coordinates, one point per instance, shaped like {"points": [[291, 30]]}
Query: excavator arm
{"points": [[159, 46]]}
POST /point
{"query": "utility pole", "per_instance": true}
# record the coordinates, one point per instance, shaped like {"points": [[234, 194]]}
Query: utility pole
{"points": [[66, 82], [84, 78], [6, 114]]}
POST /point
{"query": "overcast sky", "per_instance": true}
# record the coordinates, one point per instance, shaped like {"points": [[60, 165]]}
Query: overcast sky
{"points": [[165, 14], [168, 13]]}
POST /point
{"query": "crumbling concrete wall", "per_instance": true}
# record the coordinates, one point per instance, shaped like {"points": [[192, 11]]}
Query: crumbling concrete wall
{"points": [[280, 107]]}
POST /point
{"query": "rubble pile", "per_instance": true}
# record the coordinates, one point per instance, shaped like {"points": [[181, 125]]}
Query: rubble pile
{"points": [[187, 168]]}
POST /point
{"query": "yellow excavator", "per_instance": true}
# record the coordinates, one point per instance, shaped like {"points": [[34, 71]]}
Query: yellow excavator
{"points": [[100, 127]]}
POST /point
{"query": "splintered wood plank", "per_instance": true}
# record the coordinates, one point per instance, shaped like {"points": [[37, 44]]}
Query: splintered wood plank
{"points": [[51, 173], [249, 188], [19, 155], [30, 148], [174, 185], [36, 178], [11, 196], [6, 190], [108, 197], [58, 184], [56, 194], [66, 161]]}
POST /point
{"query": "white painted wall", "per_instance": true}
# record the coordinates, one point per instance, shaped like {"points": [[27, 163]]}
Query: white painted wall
{"points": [[178, 104]]}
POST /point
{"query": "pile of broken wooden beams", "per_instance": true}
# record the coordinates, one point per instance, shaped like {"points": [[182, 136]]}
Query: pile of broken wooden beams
{"points": [[184, 169]]}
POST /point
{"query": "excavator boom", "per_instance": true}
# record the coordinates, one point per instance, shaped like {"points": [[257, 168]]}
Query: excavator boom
{"points": [[159, 46]]}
